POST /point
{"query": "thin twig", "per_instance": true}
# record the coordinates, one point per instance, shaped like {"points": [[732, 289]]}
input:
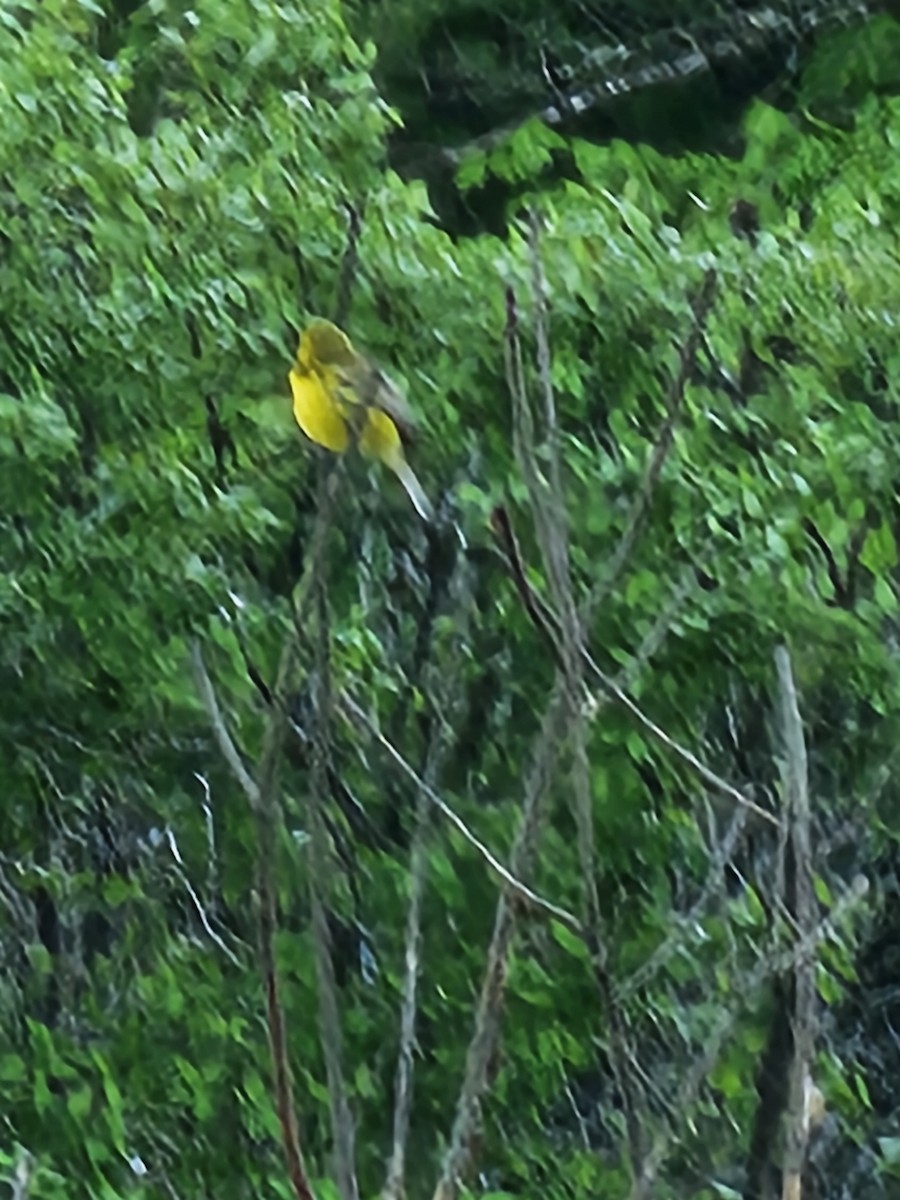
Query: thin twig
{"points": [[709, 777], [518, 889], [546, 621], [220, 729]]}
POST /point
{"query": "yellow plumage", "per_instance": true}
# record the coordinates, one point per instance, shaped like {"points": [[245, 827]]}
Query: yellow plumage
{"points": [[340, 397]]}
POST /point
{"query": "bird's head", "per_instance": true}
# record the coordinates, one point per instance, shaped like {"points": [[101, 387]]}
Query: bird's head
{"points": [[322, 344]]}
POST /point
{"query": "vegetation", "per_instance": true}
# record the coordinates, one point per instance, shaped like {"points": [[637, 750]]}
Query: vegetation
{"points": [[549, 848]]}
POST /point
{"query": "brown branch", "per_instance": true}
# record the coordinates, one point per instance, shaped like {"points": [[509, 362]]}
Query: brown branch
{"points": [[442, 688], [284, 1103], [547, 623], [482, 1047], [564, 712], [541, 615], [265, 802], [701, 307]]}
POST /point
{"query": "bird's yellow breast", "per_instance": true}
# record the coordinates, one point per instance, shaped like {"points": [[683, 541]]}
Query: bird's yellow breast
{"points": [[317, 413]]}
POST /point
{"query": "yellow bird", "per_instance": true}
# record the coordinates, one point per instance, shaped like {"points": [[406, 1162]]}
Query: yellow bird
{"points": [[340, 397]]}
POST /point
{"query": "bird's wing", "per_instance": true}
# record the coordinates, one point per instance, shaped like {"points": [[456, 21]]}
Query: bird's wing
{"points": [[378, 390]]}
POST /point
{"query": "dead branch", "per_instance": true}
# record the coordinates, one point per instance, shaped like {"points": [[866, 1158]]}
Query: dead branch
{"points": [[342, 1126], [556, 558], [796, 793], [220, 729], [441, 687]]}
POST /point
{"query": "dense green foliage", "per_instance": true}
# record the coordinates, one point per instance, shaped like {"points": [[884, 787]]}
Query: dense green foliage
{"points": [[175, 186]]}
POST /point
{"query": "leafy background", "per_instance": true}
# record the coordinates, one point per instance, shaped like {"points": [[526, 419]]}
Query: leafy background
{"points": [[176, 185]]}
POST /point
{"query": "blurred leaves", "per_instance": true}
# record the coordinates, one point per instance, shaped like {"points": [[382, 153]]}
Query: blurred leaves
{"points": [[169, 215]]}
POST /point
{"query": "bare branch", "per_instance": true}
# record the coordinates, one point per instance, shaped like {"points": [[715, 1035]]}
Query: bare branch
{"points": [[219, 728], [796, 789], [394, 1186], [556, 724], [555, 545], [342, 1126]]}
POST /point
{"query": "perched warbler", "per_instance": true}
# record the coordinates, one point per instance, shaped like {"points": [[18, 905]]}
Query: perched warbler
{"points": [[340, 397]]}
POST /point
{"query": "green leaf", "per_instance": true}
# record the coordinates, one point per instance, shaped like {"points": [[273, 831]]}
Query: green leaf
{"points": [[12, 1068], [79, 1101], [570, 941], [879, 552]]}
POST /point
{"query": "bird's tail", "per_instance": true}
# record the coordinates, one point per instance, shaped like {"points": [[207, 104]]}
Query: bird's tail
{"points": [[414, 489]]}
